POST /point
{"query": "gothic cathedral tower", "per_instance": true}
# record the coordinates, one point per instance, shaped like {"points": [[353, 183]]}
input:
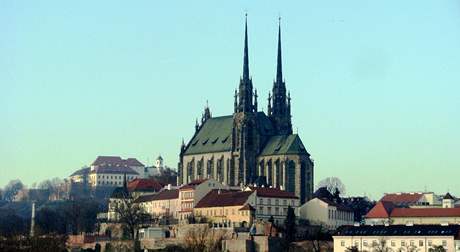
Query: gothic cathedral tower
{"points": [[245, 145], [280, 111]]}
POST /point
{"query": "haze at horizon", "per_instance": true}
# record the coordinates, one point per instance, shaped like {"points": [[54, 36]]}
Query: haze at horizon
{"points": [[374, 86]]}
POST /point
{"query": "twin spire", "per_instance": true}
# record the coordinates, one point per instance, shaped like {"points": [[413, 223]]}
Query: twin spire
{"points": [[279, 105], [247, 101]]}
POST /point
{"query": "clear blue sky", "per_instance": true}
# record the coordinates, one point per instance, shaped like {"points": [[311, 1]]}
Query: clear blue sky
{"points": [[375, 85]]}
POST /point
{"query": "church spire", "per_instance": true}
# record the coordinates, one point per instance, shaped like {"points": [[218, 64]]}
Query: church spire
{"points": [[280, 112], [279, 70], [245, 103], [246, 56]]}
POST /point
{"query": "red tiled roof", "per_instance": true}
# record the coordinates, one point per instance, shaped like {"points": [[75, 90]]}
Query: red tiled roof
{"points": [[116, 161], [402, 198], [114, 170], [425, 212], [381, 210], [387, 210], [163, 195], [273, 193], [193, 184], [139, 184], [224, 198]]}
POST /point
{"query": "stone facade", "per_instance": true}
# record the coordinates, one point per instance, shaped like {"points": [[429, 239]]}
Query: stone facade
{"points": [[241, 148]]}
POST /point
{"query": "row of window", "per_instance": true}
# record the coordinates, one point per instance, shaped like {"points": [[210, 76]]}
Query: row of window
{"points": [[393, 243], [114, 177], [340, 215], [220, 212], [278, 211], [277, 202]]}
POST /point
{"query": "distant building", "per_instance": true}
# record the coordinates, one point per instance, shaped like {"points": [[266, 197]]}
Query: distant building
{"points": [[273, 202], [116, 161], [227, 208], [162, 205], [322, 211], [397, 238], [191, 193], [80, 176], [147, 186], [391, 213]]}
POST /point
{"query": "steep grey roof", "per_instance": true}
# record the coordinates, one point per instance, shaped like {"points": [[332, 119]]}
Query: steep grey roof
{"points": [[284, 144], [82, 171], [216, 134]]}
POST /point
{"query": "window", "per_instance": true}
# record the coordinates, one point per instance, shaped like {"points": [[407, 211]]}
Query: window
{"points": [[393, 243], [261, 201], [430, 243], [374, 243], [403, 243], [444, 243], [261, 210], [269, 210], [365, 243], [342, 243], [276, 201], [420, 243], [277, 211], [412, 243], [284, 202], [269, 201]]}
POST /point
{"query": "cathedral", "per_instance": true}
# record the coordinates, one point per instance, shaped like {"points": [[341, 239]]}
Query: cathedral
{"points": [[250, 147]]}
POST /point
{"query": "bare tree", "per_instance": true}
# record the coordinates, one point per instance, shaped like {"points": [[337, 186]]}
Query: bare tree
{"points": [[202, 238], [131, 215], [333, 185], [437, 248], [11, 189], [408, 248], [381, 246], [318, 238]]}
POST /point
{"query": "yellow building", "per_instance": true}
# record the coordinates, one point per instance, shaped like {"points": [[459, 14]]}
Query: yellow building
{"points": [[227, 208]]}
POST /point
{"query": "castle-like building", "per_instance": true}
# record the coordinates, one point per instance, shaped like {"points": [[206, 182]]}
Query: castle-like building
{"points": [[250, 146]]}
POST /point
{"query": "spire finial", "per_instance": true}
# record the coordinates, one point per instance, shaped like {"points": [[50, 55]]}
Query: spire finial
{"points": [[246, 60]]}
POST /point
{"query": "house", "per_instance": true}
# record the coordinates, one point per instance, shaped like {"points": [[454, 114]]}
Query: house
{"points": [[142, 186], [397, 238], [193, 192], [273, 202], [111, 176], [389, 213], [227, 208], [322, 211], [164, 205]]}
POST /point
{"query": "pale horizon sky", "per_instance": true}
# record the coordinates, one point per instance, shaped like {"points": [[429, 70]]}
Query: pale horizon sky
{"points": [[375, 85]]}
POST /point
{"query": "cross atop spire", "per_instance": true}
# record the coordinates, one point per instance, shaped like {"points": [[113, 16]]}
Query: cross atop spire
{"points": [[246, 56]]}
